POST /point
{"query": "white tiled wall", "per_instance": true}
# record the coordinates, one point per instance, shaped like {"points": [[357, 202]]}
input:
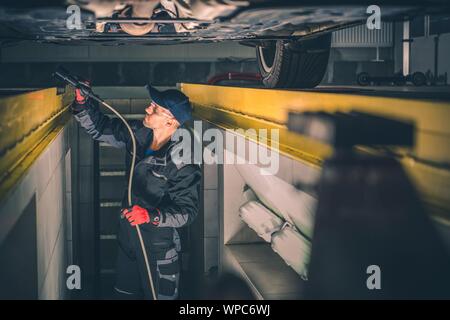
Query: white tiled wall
{"points": [[211, 215], [221, 228], [276, 190], [211, 224], [49, 179]]}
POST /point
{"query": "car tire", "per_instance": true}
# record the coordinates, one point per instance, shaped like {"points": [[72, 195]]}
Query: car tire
{"points": [[293, 64]]}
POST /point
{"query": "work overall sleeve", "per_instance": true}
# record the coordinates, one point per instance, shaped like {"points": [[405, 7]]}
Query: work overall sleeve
{"points": [[102, 127], [183, 192]]}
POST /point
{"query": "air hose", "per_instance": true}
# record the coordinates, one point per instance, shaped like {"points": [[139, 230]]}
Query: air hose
{"points": [[87, 91]]}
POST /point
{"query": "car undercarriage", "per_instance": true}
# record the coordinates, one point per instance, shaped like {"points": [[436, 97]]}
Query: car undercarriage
{"points": [[292, 39], [175, 21]]}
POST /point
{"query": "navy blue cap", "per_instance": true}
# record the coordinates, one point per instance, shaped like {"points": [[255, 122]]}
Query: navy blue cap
{"points": [[174, 101]]}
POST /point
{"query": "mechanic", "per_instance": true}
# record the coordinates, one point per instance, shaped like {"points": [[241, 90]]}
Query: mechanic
{"points": [[165, 193]]}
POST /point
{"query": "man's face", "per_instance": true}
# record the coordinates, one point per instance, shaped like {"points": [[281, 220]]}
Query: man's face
{"points": [[157, 117]]}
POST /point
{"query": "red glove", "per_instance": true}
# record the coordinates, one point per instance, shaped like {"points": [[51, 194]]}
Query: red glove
{"points": [[137, 215], [80, 101], [79, 96]]}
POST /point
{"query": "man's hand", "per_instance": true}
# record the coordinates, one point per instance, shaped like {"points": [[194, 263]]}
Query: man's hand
{"points": [[137, 215], [80, 99]]}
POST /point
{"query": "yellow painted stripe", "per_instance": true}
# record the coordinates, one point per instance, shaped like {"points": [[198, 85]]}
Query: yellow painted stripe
{"points": [[311, 152], [40, 116], [23, 113], [274, 104], [430, 117]]}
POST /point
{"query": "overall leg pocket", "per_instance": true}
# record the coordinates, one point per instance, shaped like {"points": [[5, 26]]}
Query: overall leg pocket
{"points": [[169, 275]]}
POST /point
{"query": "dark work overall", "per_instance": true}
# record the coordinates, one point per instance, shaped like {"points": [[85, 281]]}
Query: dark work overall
{"points": [[158, 182]]}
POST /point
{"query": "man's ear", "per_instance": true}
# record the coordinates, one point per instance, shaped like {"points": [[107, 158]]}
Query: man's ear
{"points": [[170, 122]]}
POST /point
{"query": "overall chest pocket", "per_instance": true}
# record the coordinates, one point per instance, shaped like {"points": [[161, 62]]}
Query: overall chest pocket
{"points": [[151, 184]]}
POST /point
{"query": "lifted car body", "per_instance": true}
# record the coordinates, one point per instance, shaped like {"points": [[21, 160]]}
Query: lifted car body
{"points": [[292, 38]]}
